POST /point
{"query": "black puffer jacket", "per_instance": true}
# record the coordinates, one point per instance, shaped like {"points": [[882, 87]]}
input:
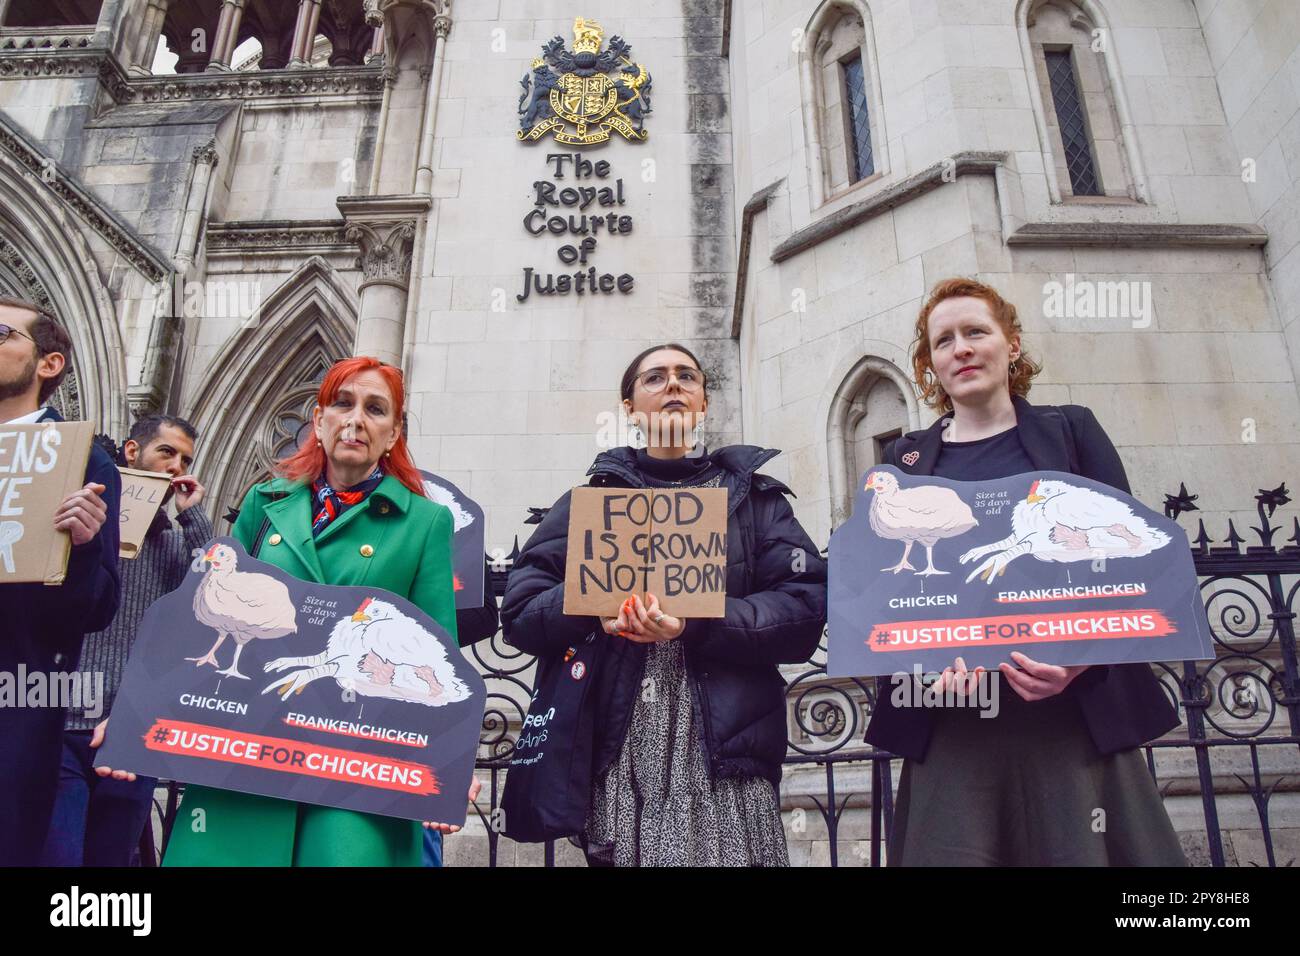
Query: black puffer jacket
{"points": [[775, 615]]}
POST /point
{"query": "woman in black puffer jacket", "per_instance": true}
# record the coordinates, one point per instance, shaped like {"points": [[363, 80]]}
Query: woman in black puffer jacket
{"points": [[690, 714]]}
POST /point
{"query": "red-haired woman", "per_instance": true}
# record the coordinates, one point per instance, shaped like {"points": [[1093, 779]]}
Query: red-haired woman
{"points": [[348, 508], [1055, 777]]}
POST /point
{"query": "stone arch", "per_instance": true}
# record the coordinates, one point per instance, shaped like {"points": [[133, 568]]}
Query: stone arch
{"points": [[45, 257], [821, 107], [874, 397], [1105, 107], [267, 372]]}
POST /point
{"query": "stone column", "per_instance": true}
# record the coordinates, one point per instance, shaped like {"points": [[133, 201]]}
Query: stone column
{"points": [[147, 42], [196, 202], [424, 166], [223, 46], [384, 228], [304, 34], [376, 44], [4, 11]]}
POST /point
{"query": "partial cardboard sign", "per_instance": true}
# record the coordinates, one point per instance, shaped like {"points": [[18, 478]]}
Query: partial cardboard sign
{"points": [[469, 569], [40, 465], [142, 495], [670, 542], [1061, 568], [246, 678]]}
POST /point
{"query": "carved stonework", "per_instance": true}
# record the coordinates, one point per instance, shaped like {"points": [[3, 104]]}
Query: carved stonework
{"points": [[82, 205], [56, 41], [307, 237], [30, 286], [207, 153], [385, 250], [357, 81]]}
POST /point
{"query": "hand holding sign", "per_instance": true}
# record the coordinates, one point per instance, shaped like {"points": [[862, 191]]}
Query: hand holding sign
{"points": [[188, 492], [643, 623], [1038, 681], [82, 514]]}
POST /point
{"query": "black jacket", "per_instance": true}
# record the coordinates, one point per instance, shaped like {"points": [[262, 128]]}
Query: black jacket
{"points": [[42, 632], [776, 611], [1122, 704]]}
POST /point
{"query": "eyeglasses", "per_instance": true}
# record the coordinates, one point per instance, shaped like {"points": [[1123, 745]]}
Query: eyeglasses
{"points": [[8, 330], [655, 380]]}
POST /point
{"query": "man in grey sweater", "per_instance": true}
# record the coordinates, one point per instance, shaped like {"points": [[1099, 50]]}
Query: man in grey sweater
{"points": [[98, 821]]}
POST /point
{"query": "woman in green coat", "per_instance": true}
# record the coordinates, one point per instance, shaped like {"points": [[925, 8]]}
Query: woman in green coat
{"points": [[347, 511]]}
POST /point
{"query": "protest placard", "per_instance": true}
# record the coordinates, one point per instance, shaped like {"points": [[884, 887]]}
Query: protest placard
{"points": [[348, 697], [142, 495], [467, 556], [1059, 567], [669, 542], [40, 465]]}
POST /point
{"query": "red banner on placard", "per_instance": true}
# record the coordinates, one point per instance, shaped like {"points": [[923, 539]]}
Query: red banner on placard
{"points": [[1019, 629], [290, 756]]}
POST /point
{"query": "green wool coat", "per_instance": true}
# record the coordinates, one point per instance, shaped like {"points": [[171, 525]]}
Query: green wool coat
{"points": [[395, 540]]}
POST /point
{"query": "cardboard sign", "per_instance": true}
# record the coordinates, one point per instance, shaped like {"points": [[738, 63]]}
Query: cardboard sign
{"points": [[142, 496], [40, 465], [669, 542], [1060, 568], [469, 569], [249, 679]]}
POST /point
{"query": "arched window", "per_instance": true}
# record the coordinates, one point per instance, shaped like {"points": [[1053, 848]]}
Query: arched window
{"points": [[1074, 90], [873, 405], [844, 121], [274, 367]]}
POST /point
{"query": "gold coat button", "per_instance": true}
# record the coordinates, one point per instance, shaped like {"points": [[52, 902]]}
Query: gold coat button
{"points": [[275, 539], [367, 551]]}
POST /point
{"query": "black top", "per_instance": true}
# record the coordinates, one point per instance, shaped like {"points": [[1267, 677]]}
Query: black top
{"points": [[998, 456], [693, 469]]}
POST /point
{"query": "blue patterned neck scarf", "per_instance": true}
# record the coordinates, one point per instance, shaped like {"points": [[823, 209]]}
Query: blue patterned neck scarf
{"points": [[331, 503]]}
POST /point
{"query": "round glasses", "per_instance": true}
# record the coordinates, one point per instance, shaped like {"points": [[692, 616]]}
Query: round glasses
{"points": [[655, 380]]}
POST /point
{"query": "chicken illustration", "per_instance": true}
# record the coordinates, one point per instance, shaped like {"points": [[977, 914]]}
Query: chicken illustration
{"points": [[443, 496], [926, 513], [1061, 522], [379, 652], [241, 605]]}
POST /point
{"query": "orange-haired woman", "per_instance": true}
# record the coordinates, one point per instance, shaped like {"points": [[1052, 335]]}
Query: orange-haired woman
{"points": [[1054, 777], [348, 508]]}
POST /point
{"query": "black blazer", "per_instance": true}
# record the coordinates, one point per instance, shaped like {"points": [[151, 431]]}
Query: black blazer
{"points": [[1122, 704]]}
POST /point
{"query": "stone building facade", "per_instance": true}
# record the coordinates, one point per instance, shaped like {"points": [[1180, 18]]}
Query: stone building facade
{"points": [[1126, 172]]}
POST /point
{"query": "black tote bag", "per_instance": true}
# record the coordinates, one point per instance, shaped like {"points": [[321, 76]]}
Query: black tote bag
{"points": [[548, 780]]}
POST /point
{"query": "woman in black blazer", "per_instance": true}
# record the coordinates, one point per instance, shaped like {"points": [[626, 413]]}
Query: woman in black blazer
{"points": [[1055, 778]]}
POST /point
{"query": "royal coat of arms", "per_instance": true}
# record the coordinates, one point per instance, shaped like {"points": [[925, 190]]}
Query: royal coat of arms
{"points": [[573, 94]]}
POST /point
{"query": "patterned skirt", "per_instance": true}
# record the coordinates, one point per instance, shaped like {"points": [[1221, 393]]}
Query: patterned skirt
{"points": [[1027, 788], [657, 804]]}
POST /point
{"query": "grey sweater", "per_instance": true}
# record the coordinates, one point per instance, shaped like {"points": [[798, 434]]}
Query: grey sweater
{"points": [[159, 569]]}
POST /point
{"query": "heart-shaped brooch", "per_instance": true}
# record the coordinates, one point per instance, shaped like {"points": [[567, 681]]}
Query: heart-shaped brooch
{"points": [[910, 458]]}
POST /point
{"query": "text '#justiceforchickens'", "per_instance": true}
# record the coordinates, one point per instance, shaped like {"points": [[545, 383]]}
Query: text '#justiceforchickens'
{"points": [[1082, 572], [247, 678]]}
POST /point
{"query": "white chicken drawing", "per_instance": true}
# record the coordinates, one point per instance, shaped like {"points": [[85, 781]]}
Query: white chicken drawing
{"points": [[239, 604], [443, 496], [926, 513], [380, 652], [1057, 521]]}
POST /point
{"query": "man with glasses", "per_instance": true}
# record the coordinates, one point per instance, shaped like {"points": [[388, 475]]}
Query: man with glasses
{"points": [[44, 626]]}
